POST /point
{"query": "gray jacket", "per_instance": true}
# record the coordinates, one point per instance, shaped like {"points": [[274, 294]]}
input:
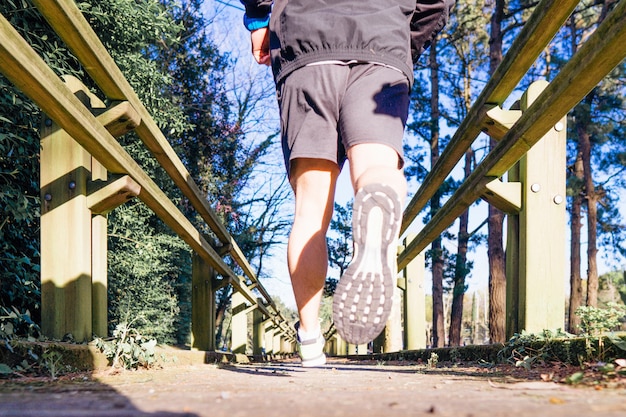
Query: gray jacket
{"points": [[391, 32]]}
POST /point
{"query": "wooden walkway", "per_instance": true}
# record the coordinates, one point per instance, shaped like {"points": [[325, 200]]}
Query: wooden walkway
{"points": [[342, 388]]}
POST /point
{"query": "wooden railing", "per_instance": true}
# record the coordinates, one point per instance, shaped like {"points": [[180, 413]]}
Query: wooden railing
{"points": [[531, 149], [66, 286], [531, 145], [536, 234]]}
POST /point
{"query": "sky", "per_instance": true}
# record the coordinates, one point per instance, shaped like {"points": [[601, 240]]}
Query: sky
{"points": [[228, 32]]}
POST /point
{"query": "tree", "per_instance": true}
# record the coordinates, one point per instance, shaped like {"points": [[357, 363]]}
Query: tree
{"points": [[466, 57], [497, 267], [596, 121], [340, 247], [223, 152]]}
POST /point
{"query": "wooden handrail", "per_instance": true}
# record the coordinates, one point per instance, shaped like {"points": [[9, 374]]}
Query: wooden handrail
{"points": [[602, 52], [72, 27], [543, 24], [27, 70]]}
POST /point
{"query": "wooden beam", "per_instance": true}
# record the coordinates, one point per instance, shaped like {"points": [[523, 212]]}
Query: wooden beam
{"points": [[119, 118], [116, 192], [506, 196], [496, 122], [538, 31], [69, 23], [602, 52], [25, 68]]}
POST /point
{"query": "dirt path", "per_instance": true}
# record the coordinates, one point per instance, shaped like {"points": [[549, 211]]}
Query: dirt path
{"points": [[284, 389]]}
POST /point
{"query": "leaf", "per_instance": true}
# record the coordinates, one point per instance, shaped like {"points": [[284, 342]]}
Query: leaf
{"points": [[5, 369], [621, 362], [8, 328], [575, 378], [618, 341]]}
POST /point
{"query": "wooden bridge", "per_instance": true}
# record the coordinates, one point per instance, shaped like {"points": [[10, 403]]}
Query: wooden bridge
{"points": [[85, 173]]}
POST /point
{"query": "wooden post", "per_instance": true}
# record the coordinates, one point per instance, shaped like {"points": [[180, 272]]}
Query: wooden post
{"points": [[73, 243], [342, 346], [268, 326], [536, 244], [276, 343], [239, 326], [66, 233], [258, 334], [393, 329], [66, 296], [357, 349], [414, 302], [99, 267], [202, 305], [379, 343]]}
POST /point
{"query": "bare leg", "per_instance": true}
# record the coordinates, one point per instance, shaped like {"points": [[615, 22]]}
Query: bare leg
{"points": [[313, 182], [376, 163], [364, 295]]}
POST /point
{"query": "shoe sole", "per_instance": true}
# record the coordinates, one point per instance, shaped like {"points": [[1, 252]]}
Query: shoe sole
{"points": [[364, 294]]}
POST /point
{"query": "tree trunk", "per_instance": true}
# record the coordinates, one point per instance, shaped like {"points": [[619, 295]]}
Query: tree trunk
{"points": [[584, 143], [497, 267], [435, 204], [592, 197], [576, 292], [576, 297], [461, 270]]}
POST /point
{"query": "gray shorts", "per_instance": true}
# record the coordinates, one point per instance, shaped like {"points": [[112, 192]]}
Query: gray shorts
{"points": [[327, 108]]}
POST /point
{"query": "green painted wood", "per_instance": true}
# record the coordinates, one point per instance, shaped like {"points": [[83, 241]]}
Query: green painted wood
{"points": [[202, 305], [66, 294], [602, 51], [538, 233], [538, 31], [414, 303], [239, 324]]}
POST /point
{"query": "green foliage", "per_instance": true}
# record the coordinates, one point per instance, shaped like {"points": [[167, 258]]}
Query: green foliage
{"points": [[612, 287], [596, 321], [145, 267], [14, 324], [528, 349], [16, 327], [433, 360], [340, 247], [52, 361], [128, 348]]}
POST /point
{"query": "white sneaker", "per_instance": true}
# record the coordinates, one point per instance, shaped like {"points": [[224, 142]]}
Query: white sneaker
{"points": [[311, 351], [364, 294]]}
